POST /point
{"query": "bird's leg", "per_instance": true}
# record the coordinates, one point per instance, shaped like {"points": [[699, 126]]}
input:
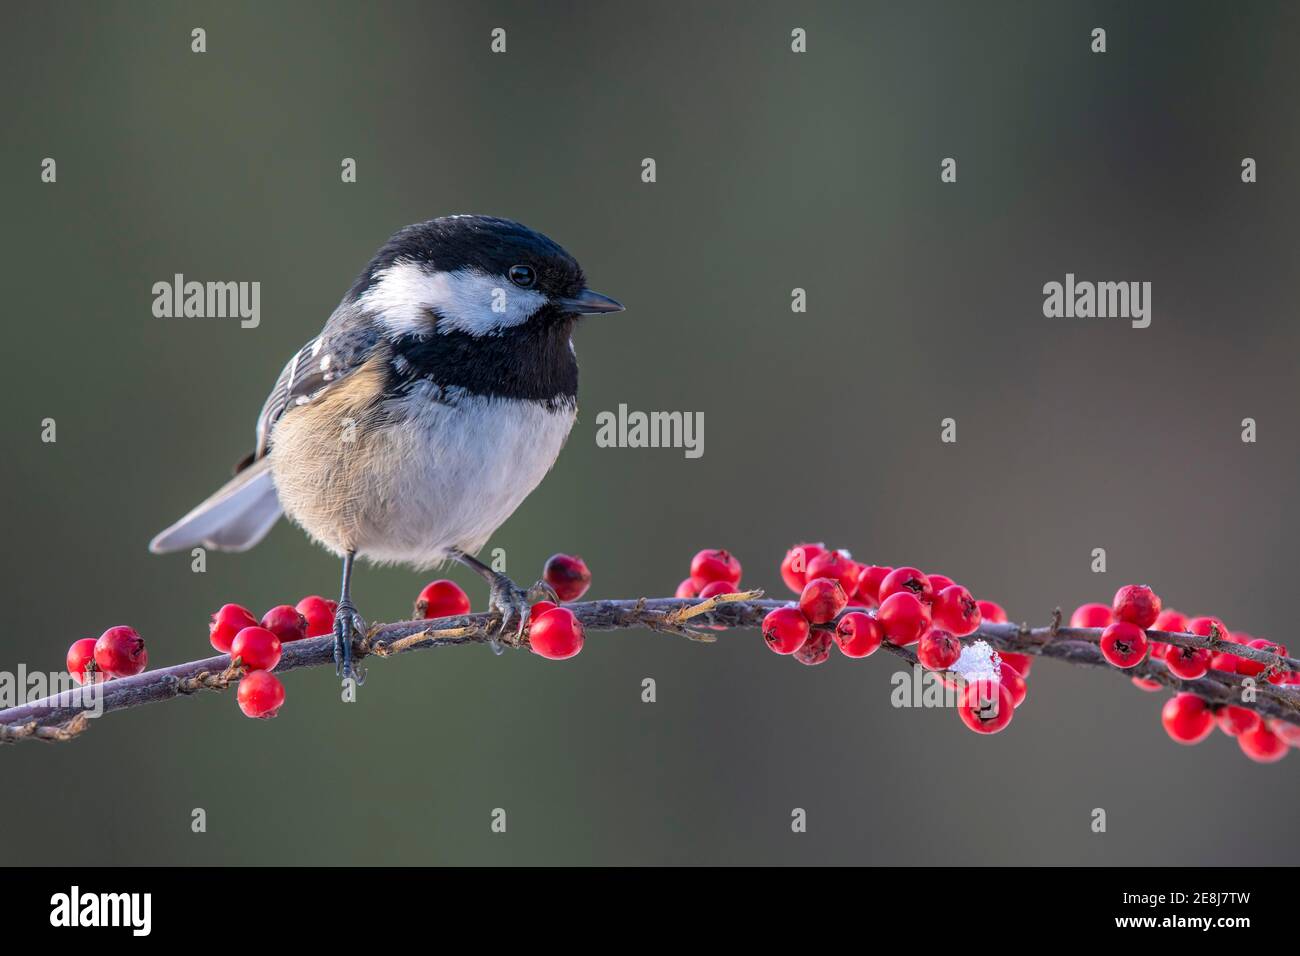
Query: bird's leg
{"points": [[509, 600], [348, 626]]}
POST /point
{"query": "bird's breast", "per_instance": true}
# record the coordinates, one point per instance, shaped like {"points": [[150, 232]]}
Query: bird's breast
{"points": [[436, 468], [461, 465]]}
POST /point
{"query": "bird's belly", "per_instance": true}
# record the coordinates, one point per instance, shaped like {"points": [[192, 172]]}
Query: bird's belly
{"points": [[446, 478]]}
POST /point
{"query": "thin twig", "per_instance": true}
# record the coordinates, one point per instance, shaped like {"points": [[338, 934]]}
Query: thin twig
{"points": [[62, 716]]}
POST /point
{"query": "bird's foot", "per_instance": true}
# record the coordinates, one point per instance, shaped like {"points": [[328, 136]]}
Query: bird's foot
{"points": [[511, 602], [348, 627], [514, 604]]}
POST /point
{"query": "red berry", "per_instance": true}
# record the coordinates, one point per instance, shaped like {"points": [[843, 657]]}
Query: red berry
{"points": [[992, 612], [1209, 627], [228, 622], [1091, 615], [1171, 621], [714, 588], [903, 617], [1124, 644], [1175, 622], [1021, 662], [1187, 718], [822, 599], [938, 650], [442, 598], [1233, 720], [939, 581], [557, 635], [260, 694], [1136, 604], [1255, 668], [1262, 745], [858, 634], [1014, 682], [986, 706], [257, 648], [568, 575], [794, 565], [540, 608], [815, 650], [319, 613], [285, 622], [837, 565], [120, 652], [1141, 683], [712, 565], [1224, 662], [956, 611], [906, 579], [687, 589], [785, 629], [868, 585], [1286, 730], [1189, 663], [80, 656]]}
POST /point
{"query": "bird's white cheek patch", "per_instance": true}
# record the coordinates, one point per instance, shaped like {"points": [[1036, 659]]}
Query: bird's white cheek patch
{"points": [[466, 300]]}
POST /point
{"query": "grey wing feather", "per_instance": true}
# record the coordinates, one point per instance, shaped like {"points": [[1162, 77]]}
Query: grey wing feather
{"points": [[301, 378], [326, 359], [234, 518]]}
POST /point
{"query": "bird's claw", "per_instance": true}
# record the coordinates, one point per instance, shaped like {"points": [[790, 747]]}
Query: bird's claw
{"points": [[512, 603], [541, 591], [348, 627]]}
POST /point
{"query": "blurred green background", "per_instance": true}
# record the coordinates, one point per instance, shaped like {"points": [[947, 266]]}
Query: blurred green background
{"points": [[775, 170]]}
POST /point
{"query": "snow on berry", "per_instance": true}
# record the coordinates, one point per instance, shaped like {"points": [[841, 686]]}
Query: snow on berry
{"points": [[978, 661]]}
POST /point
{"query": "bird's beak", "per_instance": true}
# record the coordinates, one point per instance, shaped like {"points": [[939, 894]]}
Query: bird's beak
{"points": [[590, 303]]}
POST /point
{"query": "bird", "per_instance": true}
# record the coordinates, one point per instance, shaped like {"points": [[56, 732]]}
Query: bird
{"points": [[436, 397]]}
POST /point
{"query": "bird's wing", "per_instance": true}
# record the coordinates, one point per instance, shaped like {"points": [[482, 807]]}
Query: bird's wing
{"points": [[319, 365]]}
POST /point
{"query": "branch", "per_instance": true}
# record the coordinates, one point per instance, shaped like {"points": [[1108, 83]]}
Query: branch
{"points": [[62, 716]]}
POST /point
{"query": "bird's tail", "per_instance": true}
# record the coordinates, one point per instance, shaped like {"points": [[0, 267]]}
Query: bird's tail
{"points": [[235, 518]]}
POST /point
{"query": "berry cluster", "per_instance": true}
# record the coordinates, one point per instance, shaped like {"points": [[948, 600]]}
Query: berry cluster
{"points": [[714, 571], [119, 652], [253, 644], [1187, 718], [857, 607], [256, 646]]}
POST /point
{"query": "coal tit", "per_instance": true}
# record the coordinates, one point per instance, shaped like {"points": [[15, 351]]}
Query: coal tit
{"points": [[436, 398]]}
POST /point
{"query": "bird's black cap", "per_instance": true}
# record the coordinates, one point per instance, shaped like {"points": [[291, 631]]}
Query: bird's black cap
{"points": [[486, 243]]}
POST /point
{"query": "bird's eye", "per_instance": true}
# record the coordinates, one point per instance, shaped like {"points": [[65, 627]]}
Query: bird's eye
{"points": [[523, 276]]}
